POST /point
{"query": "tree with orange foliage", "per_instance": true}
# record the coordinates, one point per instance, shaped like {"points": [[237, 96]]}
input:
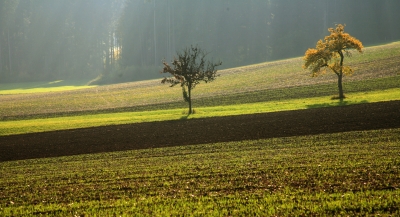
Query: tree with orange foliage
{"points": [[188, 70], [329, 54]]}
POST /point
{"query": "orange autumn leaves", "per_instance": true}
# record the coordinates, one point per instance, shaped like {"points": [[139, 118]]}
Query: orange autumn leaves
{"points": [[329, 53]]}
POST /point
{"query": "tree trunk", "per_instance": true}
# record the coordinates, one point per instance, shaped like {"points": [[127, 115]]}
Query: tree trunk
{"points": [[340, 86], [107, 63], [9, 52], [112, 50], [1, 59], [190, 99], [340, 76], [155, 36]]}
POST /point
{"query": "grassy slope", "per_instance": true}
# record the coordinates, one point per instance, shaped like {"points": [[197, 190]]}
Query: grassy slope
{"points": [[376, 62], [266, 87], [355, 173], [90, 120], [42, 87]]}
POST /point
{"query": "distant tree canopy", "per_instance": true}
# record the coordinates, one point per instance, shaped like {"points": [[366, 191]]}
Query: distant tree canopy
{"points": [[329, 54], [188, 70], [125, 39], [56, 39]]}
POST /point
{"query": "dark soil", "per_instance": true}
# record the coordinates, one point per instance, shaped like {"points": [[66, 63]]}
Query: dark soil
{"points": [[198, 131]]}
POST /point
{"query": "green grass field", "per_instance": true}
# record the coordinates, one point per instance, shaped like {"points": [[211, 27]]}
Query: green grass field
{"points": [[342, 174], [356, 173], [42, 87], [265, 87], [271, 78], [90, 120]]}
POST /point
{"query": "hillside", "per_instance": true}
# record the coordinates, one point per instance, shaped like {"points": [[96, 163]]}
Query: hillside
{"points": [[258, 82], [337, 160]]}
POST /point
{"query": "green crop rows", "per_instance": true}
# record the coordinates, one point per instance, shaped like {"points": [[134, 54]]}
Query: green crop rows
{"points": [[355, 173]]}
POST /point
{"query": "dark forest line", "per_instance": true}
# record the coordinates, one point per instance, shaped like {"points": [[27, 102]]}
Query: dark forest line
{"points": [[126, 40]]}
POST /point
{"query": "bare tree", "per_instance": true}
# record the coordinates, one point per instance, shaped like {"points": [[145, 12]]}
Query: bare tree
{"points": [[188, 70]]}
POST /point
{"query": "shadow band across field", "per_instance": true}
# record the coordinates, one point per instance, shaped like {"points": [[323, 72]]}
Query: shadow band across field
{"points": [[339, 103], [368, 116]]}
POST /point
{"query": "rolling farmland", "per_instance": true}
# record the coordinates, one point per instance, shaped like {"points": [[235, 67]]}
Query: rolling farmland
{"points": [[322, 160]]}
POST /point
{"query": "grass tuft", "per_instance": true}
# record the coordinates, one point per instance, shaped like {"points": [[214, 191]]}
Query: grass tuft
{"points": [[337, 97]]}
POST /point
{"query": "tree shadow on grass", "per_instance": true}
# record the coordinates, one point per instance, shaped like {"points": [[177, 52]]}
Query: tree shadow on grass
{"points": [[185, 117], [341, 102]]}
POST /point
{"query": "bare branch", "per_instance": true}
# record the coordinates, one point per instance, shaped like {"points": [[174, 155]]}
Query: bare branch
{"points": [[188, 69]]}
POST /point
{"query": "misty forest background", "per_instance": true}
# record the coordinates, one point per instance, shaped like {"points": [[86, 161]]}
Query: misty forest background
{"points": [[126, 40]]}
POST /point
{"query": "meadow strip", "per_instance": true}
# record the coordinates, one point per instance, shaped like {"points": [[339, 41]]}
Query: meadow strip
{"points": [[84, 121], [43, 87]]}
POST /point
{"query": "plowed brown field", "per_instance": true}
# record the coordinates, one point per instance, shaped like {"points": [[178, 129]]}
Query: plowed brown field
{"points": [[198, 131]]}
